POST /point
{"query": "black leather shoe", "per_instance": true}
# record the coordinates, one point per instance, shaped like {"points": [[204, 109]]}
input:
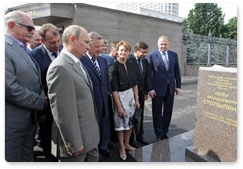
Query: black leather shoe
{"points": [[106, 153], [134, 144], [165, 136], [111, 145], [141, 140], [157, 139]]}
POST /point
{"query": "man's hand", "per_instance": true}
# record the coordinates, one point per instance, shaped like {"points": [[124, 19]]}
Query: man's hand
{"points": [[152, 94], [78, 152], [46, 102], [177, 91]]}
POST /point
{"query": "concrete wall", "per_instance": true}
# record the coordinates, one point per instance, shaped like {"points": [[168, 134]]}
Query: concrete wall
{"points": [[115, 25]]}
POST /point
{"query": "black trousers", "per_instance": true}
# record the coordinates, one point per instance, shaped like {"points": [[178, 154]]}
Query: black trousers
{"points": [[162, 107], [45, 135], [138, 117]]}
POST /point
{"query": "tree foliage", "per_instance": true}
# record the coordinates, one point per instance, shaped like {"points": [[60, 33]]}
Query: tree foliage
{"points": [[205, 18], [230, 30]]}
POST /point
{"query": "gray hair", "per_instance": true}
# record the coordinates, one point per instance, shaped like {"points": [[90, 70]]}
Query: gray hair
{"points": [[14, 16], [93, 36]]}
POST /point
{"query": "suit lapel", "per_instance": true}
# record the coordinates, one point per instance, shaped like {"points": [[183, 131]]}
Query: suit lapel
{"points": [[161, 60], [86, 60], [170, 59], [101, 67], [77, 69], [45, 55], [23, 54], [157, 60]]}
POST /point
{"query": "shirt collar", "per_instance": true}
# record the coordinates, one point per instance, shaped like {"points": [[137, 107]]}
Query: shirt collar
{"points": [[163, 52], [74, 58], [21, 44], [90, 57], [136, 56], [48, 51]]}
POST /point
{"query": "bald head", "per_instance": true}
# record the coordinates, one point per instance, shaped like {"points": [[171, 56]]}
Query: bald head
{"points": [[75, 40]]}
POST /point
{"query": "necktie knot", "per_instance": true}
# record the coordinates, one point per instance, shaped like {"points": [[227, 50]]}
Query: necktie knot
{"points": [[54, 54]]}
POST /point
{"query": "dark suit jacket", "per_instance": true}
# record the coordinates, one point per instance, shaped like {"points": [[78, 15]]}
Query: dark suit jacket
{"points": [[42, 58], [141, 78], [109, 59], [101, 86], [158, 75]]}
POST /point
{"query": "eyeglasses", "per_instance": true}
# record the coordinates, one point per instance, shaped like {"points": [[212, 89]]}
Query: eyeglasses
{"points": [[28, 27]]}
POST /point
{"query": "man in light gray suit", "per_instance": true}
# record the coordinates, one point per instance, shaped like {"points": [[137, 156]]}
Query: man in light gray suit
{"points": [[70, 91], [23, 91]]}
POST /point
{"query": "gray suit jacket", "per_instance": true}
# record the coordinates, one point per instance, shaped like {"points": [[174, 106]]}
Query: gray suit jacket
{"points": [[73, 108], [23, 94]]}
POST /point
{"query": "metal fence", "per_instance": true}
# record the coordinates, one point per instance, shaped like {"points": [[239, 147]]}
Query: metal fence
{"points": [[208, 50]]}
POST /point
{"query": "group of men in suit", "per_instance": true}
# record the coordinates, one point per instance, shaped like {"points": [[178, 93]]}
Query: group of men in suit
{"points": [[73, 89]]}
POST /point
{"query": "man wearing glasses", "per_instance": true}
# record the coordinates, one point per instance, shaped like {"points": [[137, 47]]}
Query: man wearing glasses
{"points": [[24, 96], [44, 55]]}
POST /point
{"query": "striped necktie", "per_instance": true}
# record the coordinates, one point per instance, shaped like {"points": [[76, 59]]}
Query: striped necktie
{"points": [[96, 67]]}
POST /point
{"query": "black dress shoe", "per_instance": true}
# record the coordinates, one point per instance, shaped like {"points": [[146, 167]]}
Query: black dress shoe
{"points": [[157, 139], [165, 136], [51, 158], [106, 153], [141, 140], [111, 145], [134, 144]]}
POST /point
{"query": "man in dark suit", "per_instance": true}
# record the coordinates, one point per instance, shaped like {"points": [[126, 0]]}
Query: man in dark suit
{"points": [[44, 55], [35, 41], [163, 80], [141, 65], [24, 95], [98, 71], [110, 58], [113, 54]]}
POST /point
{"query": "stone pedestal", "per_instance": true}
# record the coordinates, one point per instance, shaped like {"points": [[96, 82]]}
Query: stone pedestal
{"points": [[215, 133]]}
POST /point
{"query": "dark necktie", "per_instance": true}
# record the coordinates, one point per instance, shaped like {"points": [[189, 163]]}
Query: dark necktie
{"points": [[96, 67], [140, 65], [54, 54]]}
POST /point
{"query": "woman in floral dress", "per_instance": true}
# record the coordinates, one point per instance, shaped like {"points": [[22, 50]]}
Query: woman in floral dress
{"points": [[125, 95]]}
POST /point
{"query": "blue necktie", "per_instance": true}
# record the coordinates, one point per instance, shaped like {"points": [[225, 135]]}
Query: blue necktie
{"points": [[165, 60]]}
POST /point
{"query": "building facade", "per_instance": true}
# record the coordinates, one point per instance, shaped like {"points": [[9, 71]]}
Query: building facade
{"points": [[113, 25], [166, 8]]}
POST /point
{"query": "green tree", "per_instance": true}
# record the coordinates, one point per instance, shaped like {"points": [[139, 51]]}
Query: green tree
{"points": [[230, 29], [205, 18]]}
